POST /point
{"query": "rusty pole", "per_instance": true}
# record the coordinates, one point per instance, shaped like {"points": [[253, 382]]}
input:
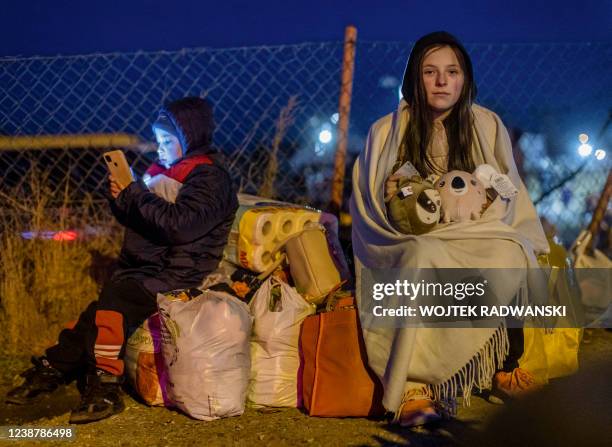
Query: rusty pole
{"points": [[344, 110]]}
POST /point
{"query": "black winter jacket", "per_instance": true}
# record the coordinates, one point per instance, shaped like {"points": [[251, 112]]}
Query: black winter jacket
{"points": [[175, 236]]}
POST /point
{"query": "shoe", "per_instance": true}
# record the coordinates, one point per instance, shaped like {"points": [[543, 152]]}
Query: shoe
{"points": [[512, 385], [415, 413], [102, 399], [417, 409], [41, 379]]}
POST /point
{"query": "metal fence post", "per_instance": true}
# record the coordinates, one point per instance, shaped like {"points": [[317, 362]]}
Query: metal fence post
{"points": [[600, 212], [344, 109]]}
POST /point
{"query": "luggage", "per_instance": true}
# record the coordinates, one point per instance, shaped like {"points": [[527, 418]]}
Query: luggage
{"points": [[205, 345], [312, 267], [336, 378], [552, 353], [278, 312], [144, 363]]}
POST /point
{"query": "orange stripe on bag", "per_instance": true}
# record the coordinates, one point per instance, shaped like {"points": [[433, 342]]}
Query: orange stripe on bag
{"points": [[110, 332], [147, 379]]}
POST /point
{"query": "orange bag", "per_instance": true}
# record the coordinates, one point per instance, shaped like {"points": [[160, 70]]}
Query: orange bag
{"points": [[336, 379]]}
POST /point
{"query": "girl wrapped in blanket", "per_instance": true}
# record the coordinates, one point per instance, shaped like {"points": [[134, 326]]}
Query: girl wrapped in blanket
{"points": [[438, 128]]}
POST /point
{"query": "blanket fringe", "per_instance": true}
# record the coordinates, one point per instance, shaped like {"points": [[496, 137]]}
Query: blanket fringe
{"points": [[477, 372], [522, 296]]}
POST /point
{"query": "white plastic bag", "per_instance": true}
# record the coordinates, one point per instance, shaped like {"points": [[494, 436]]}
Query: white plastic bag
{"points": [[205, 343], [144, 363], [274, 344]]}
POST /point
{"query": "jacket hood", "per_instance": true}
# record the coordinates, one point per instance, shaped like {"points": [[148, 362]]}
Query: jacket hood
{"points": [[412, 72], [193, 120]]}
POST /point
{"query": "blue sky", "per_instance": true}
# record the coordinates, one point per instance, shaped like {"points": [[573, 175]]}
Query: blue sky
{"points": [[48, 27]]}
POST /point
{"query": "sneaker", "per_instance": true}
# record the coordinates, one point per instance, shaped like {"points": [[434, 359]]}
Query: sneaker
{"points": [[415, 413], [102, 398], [417, 409], [512, 385], [41, 379]]}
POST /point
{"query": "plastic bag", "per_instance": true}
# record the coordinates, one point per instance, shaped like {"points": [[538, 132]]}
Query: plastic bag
{"points": [[549, 355], [278, 312], [205, 343], [144, 363]]}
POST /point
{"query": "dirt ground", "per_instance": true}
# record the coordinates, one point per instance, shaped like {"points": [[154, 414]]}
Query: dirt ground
{"points": [[140, 425]]}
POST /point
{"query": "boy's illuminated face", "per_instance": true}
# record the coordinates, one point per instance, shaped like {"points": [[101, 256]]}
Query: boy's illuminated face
{"points": [[169, 147]]}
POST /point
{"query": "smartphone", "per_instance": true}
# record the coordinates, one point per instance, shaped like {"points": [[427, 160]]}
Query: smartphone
{"points": [[119, 167]]}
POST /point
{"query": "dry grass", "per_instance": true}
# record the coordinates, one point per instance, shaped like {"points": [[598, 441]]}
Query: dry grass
{"points": [[46, 283], [284, 121]]}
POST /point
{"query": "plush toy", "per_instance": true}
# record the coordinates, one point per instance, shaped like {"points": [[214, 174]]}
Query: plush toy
{"points": [[415, 208], [463, 196]]}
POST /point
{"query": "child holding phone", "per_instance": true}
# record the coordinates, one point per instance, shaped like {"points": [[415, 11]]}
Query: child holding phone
{"points": [[119, 169], [177, 221]]}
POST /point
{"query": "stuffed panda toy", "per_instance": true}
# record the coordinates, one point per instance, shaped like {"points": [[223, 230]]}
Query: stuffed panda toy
{"points": [[415, 208], [463, 196]]}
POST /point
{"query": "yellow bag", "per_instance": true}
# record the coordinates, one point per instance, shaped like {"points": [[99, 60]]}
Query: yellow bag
{"points": [[552, 353], [549, 355]]}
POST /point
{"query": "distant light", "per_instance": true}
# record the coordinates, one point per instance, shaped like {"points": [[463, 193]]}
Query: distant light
{"points": [[38, 235], [319, 150], [557, 207], [325, 136], [65, 235], [584, 150], [600, 154], [583, 138], [399, 93], [388, 81], [334, 118]]}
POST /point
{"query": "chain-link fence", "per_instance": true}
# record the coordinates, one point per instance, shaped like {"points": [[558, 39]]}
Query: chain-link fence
{"points": [[122, 92], [546, 94]]}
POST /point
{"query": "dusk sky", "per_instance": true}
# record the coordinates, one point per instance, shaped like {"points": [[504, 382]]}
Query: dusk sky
{"points": [[45, 27]]}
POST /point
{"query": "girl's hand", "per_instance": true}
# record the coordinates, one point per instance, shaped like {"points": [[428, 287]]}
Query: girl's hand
{"points": [[115, 186], [391, 186]]}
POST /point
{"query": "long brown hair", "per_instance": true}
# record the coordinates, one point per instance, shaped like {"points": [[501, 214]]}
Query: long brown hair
{"points": [[458, 124]]}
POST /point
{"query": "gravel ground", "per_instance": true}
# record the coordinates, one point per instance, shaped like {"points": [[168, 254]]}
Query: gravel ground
{"points": [[140, 425]]}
